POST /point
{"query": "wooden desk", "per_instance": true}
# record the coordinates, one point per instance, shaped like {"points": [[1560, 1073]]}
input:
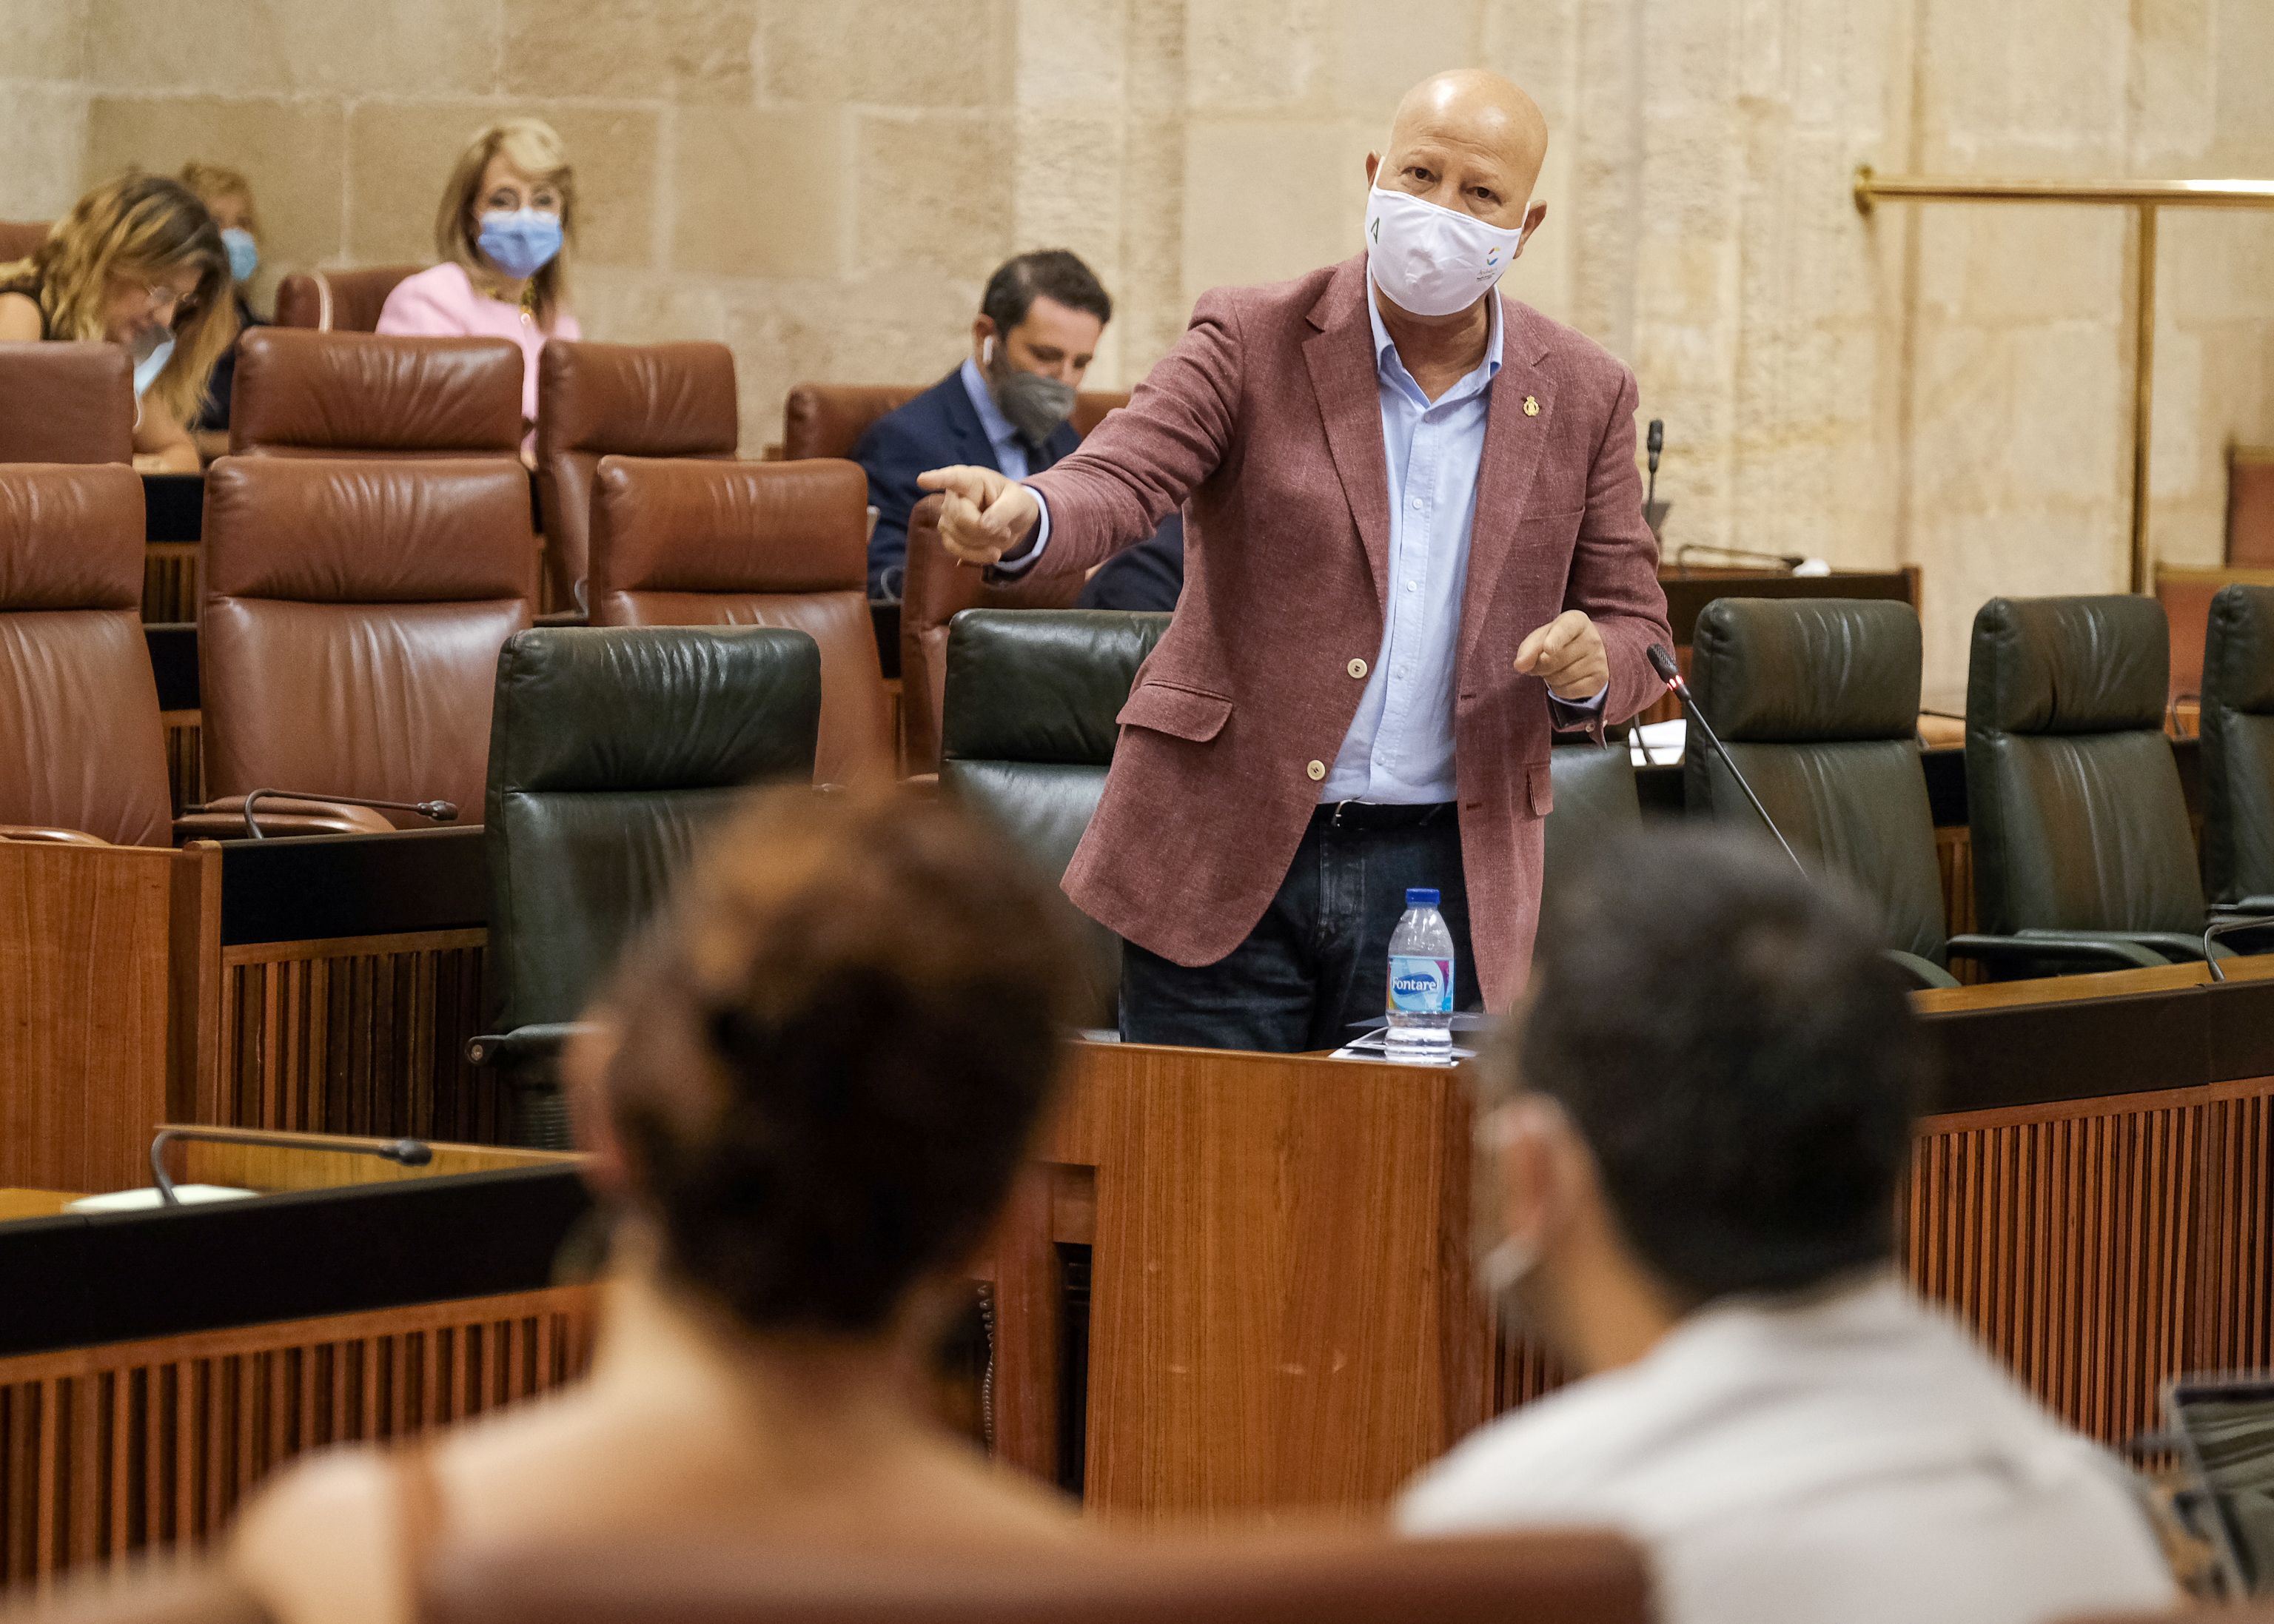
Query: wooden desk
{"points": [[1281, 1312], [35, 1203]]}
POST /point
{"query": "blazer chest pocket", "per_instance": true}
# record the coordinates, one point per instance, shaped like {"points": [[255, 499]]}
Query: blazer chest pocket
{"points": [[1179, 712]]}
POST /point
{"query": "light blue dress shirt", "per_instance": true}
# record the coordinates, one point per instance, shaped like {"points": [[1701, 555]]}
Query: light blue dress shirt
{"points": [[1010, 450], [1399, 748]]}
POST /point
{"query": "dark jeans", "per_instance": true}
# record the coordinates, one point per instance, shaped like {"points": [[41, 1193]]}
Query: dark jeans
{"points": [[1318, 959]]}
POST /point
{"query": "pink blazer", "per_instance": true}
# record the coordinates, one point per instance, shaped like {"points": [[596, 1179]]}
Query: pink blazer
{"points": [[441, 302], [1266, 423]]}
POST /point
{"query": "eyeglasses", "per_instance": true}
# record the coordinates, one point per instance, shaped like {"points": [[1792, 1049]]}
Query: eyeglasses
{"points": [[185, 305]]}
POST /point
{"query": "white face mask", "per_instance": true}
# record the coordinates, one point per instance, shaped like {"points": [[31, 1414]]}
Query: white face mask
{"points": [[152, 350], [1430, 260]]}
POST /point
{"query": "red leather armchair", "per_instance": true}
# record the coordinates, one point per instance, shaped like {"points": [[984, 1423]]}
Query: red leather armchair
{"points": [[81, 751], [632, 400], [828, 419], [331, 395], [352, 618], [338, 301], [66, 403], [687, 543]]}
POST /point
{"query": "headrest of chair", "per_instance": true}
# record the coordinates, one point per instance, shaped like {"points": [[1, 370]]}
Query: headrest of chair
{"points": [[2068, 665], [70, 536], [2241, 643], [653, 708], [1042, 685], [365, 391], [1791, 670], [324, 529], [678, 525], [66, 403], [339, 301], [642, 400], [827, 419]]}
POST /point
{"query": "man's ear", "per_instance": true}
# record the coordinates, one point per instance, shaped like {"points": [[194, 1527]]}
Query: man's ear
{"points": [[1373, 168], [983, 328], [1538, 1172], [1532, 218]]}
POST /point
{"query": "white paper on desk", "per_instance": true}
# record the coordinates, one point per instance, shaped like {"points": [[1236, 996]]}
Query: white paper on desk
{"points": [[135, 1201], [1373, 1047]]}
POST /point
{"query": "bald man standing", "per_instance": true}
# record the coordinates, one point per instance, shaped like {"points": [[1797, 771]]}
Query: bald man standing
{"points": [[1414, 543]]}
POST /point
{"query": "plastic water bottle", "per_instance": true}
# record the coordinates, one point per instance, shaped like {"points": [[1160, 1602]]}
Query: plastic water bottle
{"points": [[1420, 981]]}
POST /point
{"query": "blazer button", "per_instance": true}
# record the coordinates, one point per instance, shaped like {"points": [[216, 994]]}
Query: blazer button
{"points": [[1357, 668], [1317, 769]]}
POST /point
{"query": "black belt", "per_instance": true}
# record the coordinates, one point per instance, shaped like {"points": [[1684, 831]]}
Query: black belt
{"points": [[1371, 814]]}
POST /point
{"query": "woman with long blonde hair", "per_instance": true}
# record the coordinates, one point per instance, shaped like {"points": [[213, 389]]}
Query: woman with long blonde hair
{"points": [[508, 217], [138, 262], [227, 196]]}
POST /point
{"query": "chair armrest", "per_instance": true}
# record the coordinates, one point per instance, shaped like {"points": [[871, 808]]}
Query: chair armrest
{"points": [[33, 834], [2108, 953], [224, 819], [540, 1041], [2176, 946], [1923, 972], [2248, 904]]}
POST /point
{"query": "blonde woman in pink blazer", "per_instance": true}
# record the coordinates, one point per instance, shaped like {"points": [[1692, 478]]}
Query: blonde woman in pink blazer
{"points": [[502, 232]]}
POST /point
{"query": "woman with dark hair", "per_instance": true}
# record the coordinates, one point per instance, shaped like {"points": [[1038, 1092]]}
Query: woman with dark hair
{"points": [[816, 1077]]}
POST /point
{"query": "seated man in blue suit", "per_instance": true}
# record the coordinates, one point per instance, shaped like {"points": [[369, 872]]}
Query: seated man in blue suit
{"points": [[1006, 408]]}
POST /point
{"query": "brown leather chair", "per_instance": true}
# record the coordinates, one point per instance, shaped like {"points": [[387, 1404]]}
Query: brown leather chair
{"points": [[20, 238], [688, 542], [338, 301], [338, 395], [936, 591], [82, 749], [634, 400], [828, 419], [66, 403], [348, 638], [1561, 1577]]}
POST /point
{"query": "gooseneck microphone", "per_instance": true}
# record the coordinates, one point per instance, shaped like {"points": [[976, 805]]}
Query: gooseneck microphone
{"points": [[1656, 443], [441, 811], [1661, 660], [406, 1152]]}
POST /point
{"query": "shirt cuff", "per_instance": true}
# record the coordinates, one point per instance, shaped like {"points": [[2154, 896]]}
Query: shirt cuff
{"points": [[1026, 560], [1570, 714]]}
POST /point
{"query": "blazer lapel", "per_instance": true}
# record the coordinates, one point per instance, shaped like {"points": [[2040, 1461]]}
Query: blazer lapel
{"points": [[1342, 376], [1513, 444]]}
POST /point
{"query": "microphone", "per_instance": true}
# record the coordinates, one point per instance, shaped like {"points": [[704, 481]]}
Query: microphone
{"points": [[406, 1152], [441, 811], [1661, 661], [1656, 443]]}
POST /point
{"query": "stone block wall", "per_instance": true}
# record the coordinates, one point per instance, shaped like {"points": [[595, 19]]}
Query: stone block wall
{"points": [[824, 185]]}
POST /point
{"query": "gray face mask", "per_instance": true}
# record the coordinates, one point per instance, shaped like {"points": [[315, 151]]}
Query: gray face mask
{"points": [[1036, 404]]}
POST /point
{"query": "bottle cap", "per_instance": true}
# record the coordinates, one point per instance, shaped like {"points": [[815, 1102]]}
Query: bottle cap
{"points": [[1421, 896]]}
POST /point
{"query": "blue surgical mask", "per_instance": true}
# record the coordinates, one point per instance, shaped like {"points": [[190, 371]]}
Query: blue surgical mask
{"points": [[151, 352], [244, 253], [520, 243]]}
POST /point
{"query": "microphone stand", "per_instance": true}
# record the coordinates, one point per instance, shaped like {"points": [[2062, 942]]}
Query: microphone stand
{"points": [[404, 1153], [2218, 928], [1661, 660], [441, 811]]}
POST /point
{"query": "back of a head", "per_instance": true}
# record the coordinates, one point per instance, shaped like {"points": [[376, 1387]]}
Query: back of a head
{"points": [[835, 1047], [1738, 1056]]}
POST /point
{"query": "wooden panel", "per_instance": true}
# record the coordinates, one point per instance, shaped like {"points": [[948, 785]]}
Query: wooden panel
{"points": [[363, 1036], [1953, 859], [169, 582], [185, 772], [2099, 1249], [84, 1035], [1281, 1309], [110, 1450]]}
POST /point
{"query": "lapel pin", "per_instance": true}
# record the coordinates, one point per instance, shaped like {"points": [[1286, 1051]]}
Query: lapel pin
{"points": [[1531, 406]]}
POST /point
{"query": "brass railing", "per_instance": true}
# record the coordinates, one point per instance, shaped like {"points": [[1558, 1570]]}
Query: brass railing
{"points": [[2144, 198]]}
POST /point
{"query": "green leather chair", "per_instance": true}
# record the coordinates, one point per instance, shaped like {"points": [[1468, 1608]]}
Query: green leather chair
{"points": [[2238, 750], [1817, 700], [1029, 732], [1594, 789], [609, 751], [2080, 827]]}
